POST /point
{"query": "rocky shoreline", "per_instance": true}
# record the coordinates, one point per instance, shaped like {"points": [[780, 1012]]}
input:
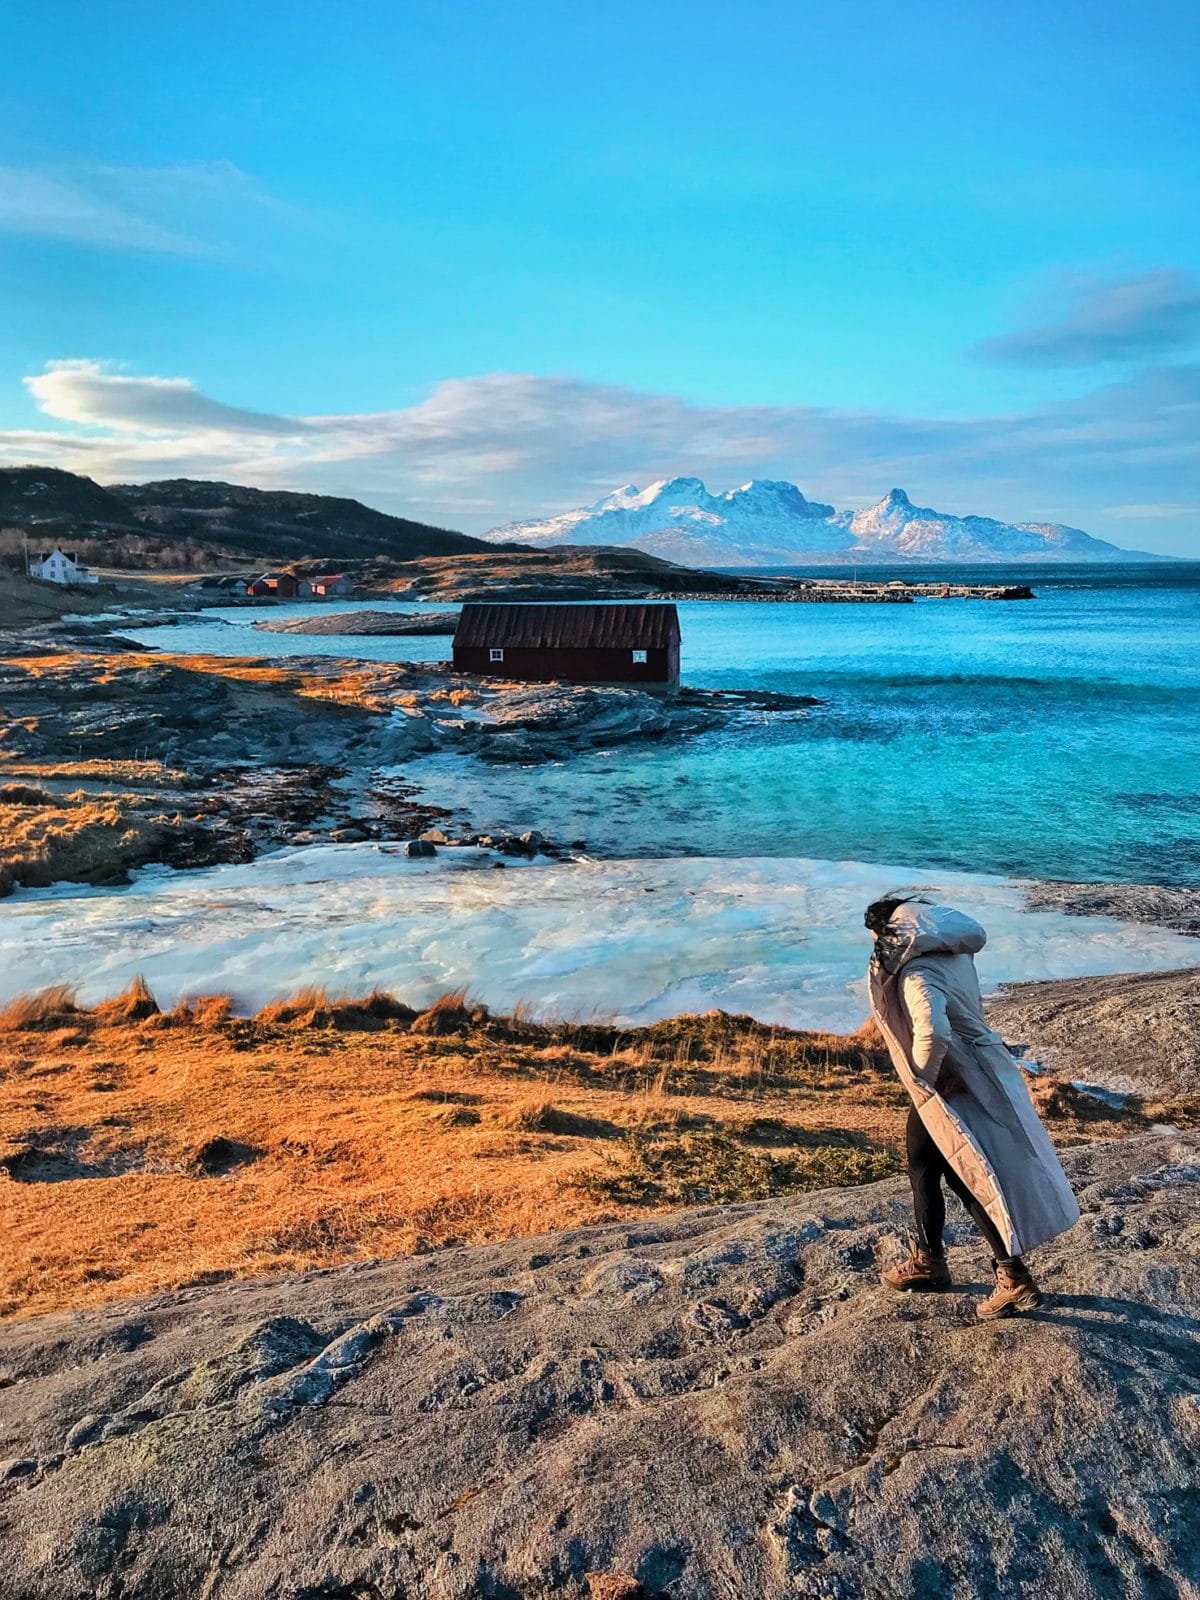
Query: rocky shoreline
{"points": [[1135, 1032], [120, 755], [211, 759], [1159, 904], [365, 623]]}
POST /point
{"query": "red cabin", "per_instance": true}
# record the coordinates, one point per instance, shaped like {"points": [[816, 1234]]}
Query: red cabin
{"points": [[327, 583], [280, 584], [619, 643]]}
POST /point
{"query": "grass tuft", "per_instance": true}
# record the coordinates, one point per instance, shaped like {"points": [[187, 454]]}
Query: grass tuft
{"points": [[307, 1008], [450, 1013], [135, 1004], [714, 1168], [23, 794], [54, 1007], [203, 1010]]}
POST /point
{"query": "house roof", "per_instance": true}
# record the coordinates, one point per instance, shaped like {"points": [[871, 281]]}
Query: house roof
{"points": [[571, 627]]}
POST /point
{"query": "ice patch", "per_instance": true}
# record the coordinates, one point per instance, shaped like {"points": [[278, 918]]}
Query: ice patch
{"points": [[634, 940]]}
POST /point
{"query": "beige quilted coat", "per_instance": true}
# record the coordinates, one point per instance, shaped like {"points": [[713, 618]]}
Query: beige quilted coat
{"points": [[925, 996]]}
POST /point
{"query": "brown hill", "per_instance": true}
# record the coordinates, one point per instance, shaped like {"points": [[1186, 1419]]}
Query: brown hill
{"points": [[170, 522], [278, 523]]}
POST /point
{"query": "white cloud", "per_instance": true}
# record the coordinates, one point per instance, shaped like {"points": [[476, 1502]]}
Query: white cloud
{"points": [[89, 393], [40, 205], [478, 451], [181, 210], [1097, 320]]}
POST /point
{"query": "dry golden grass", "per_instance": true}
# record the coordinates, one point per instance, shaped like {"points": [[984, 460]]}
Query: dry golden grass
{"points": [[152, 773], [378, 686], [81, 837], [141, 1150]]}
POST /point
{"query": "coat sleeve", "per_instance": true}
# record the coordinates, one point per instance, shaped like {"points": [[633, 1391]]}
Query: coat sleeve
{"points": [[931, 1031]]}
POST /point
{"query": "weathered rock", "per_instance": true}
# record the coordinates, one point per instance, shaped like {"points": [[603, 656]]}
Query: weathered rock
{"points": [[1160, 904], [420, 847], [350, 833], [713, 1403], [1136, 1031], [366, 622]]}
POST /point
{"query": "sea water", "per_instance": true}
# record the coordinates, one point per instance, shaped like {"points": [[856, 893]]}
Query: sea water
{"points": [[1056, 737], [959, 745]]}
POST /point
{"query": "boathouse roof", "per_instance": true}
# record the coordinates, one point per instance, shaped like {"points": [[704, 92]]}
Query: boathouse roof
{"points": [[619, 626]]}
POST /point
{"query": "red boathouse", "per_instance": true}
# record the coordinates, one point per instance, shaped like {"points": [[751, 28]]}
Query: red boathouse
{"points": [[616, 643]]}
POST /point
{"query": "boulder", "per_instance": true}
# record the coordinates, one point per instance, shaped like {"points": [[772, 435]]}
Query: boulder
{"points": [[420, 847]]}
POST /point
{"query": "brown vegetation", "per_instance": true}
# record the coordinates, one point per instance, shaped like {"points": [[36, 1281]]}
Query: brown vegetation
{"points": [[143, 1150], [88, 837]]}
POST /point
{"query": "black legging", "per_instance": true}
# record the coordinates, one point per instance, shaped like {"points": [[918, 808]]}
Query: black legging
{"points": [[927, 1166]]}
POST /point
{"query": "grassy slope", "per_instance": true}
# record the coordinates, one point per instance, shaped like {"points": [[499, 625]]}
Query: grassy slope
{"points": [[145, 1152]]}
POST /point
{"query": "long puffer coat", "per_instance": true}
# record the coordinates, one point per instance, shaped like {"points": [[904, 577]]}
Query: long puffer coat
{"points": [[926, 1000]]}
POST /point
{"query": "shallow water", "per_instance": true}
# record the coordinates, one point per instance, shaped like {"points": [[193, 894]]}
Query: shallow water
{"points": [[781, 939], [1057, 737]]}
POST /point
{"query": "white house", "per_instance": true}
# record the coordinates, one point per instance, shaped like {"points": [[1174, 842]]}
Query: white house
{"points": [[61, 567]]}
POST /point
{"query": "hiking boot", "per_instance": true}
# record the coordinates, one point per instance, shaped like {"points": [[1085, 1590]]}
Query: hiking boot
{"points": [[1015, 1291], [921, 1272]]}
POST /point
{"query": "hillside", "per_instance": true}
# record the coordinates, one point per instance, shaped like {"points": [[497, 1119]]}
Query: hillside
{"points": [[279, 524], [185, 521], [765, 523], [46, 496]]}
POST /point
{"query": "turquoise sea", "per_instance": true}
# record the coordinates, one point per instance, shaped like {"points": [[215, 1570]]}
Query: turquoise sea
{"points": [[958, 746], [1058, 737]]}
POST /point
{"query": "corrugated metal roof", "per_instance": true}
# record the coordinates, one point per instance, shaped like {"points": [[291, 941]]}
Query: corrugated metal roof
{"points": [[567, 627]]}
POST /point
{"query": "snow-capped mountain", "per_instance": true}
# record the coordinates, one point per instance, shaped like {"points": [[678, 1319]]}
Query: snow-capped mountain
{"points": [[766, 523]]}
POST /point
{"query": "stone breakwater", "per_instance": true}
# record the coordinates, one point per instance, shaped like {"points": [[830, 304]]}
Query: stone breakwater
{"points": [[720, 1401], [825, 592]]}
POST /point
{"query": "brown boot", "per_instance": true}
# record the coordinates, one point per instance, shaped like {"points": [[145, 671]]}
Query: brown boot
{"points": [[1015, 1291], [922, 1272]]}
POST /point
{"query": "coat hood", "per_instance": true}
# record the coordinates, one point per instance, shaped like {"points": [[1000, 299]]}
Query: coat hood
{"points": [[921, 927]]}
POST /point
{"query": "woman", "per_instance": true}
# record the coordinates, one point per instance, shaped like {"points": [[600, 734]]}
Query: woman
{"points": [[972, 1121]]}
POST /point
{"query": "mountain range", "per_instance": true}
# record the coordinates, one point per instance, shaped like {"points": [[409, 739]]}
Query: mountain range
{"points": [[769, 523]]}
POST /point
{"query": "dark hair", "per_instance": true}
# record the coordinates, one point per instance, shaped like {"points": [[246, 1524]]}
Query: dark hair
{"points": [[879, 912]]}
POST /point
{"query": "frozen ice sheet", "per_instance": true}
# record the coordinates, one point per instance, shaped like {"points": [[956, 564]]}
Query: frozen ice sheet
{"points": [[635, 940]]}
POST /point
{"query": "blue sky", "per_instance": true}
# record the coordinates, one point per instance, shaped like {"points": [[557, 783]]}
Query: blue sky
{"points": [[482, 260]]}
